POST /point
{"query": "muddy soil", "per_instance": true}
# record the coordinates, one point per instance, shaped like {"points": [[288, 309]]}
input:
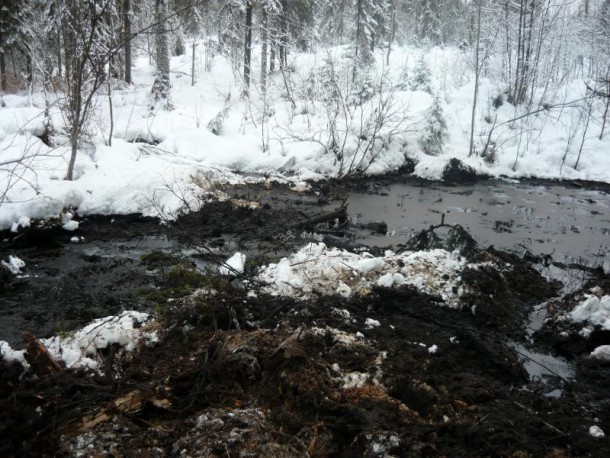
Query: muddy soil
{"points": [[237, 375], [242, 376]]}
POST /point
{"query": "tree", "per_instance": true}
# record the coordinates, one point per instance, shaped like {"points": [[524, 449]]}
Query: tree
{"points": [[370, 18], [248, 47], [430, 28], [161, 86], [126, 16], [434, 134], [88, 51], [11, 14]]}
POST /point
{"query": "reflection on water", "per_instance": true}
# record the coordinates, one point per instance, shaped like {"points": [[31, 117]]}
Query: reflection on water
{"points": [[572, 225]]}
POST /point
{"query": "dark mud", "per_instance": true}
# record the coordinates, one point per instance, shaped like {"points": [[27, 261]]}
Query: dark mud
{"points": [[242, 376], [236, 375]]}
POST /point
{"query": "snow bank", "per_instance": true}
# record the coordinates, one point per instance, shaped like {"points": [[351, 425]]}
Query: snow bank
{"points": [[317, 270]]}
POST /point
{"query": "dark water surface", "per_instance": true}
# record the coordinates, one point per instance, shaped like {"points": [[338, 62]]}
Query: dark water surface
{"points": [[572, 225]]}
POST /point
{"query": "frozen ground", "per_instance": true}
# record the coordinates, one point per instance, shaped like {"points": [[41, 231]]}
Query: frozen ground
{"points": [[272, 136]]}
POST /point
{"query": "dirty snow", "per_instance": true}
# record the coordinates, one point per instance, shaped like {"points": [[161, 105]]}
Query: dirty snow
{"points": [[81, 348], [601, 353], [316, 270], [14, 264], [593, 310], [9, 355]]}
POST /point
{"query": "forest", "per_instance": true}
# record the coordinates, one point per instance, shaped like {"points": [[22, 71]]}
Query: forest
{"points": [[305, 228]]}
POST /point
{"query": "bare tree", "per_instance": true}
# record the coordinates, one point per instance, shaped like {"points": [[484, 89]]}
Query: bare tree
{"points": [[87, 51]]}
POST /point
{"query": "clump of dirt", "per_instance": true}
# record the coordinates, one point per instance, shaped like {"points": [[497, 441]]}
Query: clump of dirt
{"points": [[446, 237], [456, 172]]}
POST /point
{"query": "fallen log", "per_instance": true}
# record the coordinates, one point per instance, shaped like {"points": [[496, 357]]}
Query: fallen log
{"points": [[340, 214]]}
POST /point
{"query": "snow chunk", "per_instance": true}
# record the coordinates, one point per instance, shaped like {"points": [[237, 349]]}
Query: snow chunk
{"points": [[68, 223], [602, 353], [371, 323], [354, 380], [234, 264], [81, 348], [14, 265], [391, 279], [24, 221], [344, 290], [9, 355], [433, 349], [71, 225], [369, 265], [593, 310], [596, 431]]}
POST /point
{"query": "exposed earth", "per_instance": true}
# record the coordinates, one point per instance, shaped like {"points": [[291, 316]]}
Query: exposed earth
{"points": [[392, 372]]}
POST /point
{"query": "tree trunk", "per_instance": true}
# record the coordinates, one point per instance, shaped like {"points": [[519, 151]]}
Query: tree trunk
{"points": [[161, 85], [194, 48], [127, 39], [392, 32], [264, 39], [284, 35], [476, 80], [248, 48], [3, 79]]}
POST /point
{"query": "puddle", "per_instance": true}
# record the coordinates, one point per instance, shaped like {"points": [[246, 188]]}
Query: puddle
{"points": [[540, 365], [572, 225]]}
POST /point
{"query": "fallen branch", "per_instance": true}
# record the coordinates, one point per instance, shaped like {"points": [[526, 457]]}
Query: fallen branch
{"points": [[41, 362]]}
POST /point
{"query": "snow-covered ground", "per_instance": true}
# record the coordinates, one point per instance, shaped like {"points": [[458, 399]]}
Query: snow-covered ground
{"points": [[274, 136]]}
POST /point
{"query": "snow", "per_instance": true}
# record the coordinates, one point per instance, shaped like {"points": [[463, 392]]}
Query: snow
{"points": [[593, 310], [601, 353], [81, 348], [235, 264], [14, 264], [596, 431], [316, 270], [184, 168], [433, 349], [9, 355], [370, 323]]}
